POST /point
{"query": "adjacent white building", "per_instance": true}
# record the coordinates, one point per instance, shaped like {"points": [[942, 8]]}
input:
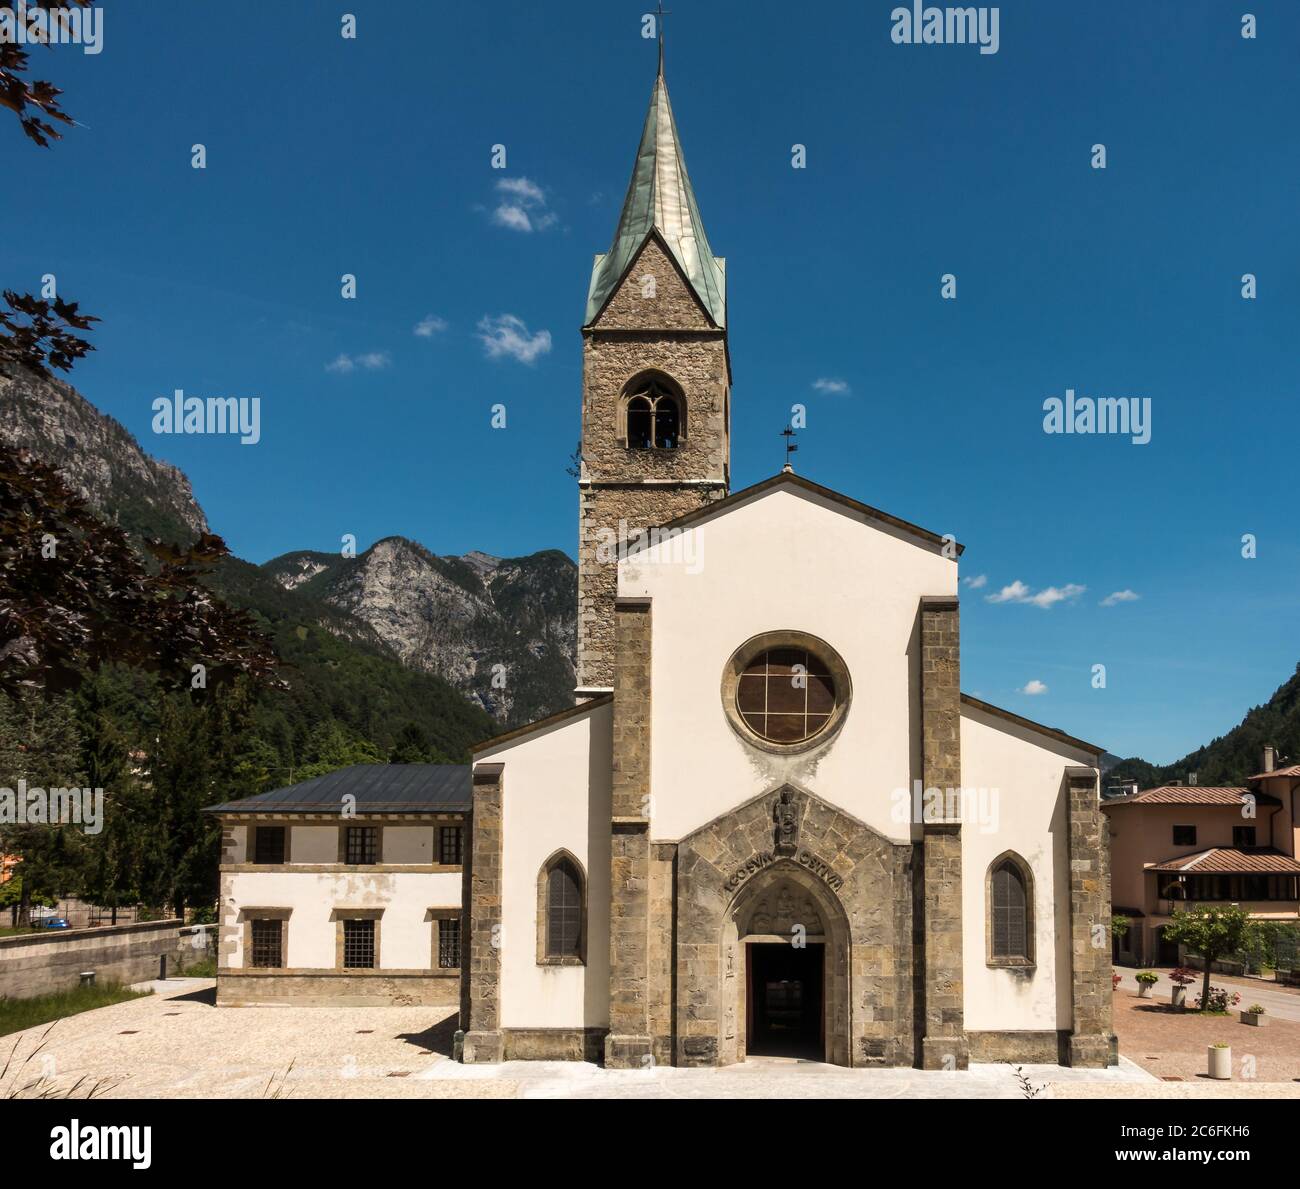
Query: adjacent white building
{"points": [[345, 889]]}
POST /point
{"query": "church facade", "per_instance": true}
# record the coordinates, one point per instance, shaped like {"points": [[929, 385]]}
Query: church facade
{"points": [[772, 823]]}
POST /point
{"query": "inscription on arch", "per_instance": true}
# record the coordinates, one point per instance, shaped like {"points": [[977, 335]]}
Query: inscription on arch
{"points": [[804, 857]]}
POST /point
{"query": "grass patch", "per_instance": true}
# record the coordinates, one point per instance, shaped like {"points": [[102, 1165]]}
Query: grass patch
{"points": [[12, 931], [203, 968], [17, 1014]]}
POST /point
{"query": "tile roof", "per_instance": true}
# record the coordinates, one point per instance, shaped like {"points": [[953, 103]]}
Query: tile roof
{"points": [[377, 788], [1192, 794], [1291, 770], [1231, 860]]}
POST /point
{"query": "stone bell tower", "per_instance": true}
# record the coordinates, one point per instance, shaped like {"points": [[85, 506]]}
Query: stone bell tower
{"points": [[656, 380]]}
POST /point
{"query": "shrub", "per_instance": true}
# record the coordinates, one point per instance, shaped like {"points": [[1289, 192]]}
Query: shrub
{"points": [[1256, 1009], [1217, 1002], [1147, 976]]}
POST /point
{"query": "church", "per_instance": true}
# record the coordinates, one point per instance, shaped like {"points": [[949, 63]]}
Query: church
{"points": [[772, 824]]}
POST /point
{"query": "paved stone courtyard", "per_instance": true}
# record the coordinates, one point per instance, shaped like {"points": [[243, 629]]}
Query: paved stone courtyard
{"points": [[176, 1044]]}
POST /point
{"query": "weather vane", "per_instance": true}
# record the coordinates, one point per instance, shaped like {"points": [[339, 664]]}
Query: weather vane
{"points": [[790, 448]]}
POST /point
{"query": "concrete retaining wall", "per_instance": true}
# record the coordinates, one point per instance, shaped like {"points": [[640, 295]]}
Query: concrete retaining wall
{"points": [[39, 963]]}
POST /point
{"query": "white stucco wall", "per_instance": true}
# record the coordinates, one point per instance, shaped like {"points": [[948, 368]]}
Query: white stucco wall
{"points": [[406, 932], [787, 559], [556, 795], [1029, 817]]}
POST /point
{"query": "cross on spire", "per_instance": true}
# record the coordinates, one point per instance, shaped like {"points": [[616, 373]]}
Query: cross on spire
{"points": [[659, 25], [790, 448]]}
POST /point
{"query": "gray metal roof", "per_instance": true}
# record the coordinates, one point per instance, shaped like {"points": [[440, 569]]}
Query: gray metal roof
{"points": [[377, 788], [660, 198]]}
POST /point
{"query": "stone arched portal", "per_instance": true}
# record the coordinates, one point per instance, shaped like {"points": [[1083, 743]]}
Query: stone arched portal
{"points": [[860, 884], [784, 906]]}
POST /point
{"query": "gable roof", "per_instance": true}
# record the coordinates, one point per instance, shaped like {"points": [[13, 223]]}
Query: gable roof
{"points": [[1193, 794], [541, 724], [377, 788], [798, 483], [1019, 719], [660, 199], [1292, 770], [1230, 860]]}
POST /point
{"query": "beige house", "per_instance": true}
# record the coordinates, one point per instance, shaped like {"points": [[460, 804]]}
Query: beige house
{"points": [[345, 889], [773, 824], [1180, 845]]}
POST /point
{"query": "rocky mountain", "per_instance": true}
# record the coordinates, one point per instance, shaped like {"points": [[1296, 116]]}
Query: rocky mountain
{"points": [[501, 630], [97, 457]]}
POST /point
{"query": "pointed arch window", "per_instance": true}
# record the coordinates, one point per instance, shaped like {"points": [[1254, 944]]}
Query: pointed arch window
{"points": [[653, 418], [1010, 894], [561, 912]]}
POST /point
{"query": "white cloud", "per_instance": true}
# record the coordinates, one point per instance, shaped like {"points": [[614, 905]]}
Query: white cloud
{"points": [[507, 335], [523, 207], [1120, 596], [1048, 597], [1053, 595], [1033, 688], [977, 582], [827, 384], [371, 361], [1015, 593], [528, 192], [426, 328]]}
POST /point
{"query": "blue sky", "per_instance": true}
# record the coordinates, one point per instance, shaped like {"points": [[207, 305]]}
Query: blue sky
{"points": [[371, 156]]}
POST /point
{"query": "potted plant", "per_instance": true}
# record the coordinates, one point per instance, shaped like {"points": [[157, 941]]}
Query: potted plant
{"points": [[1218, 1002], [1146, 979], [1220, 1062], [1115, 981], [1254, 1014], [1181, 978]]}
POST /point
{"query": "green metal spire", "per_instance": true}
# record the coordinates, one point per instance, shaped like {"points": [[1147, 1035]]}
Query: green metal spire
{"points": [[660, 199]]}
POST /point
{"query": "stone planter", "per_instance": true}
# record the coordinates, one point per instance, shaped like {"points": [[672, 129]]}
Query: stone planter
{"points": [[1144, 990], [1178, 996], [1256, 1019], [1220, 1063]]}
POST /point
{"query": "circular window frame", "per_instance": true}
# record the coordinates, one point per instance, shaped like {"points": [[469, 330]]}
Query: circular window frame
{"points": [[740, 660]]}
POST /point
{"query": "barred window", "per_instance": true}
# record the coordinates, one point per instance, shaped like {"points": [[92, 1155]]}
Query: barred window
{"points": [[268, 844], [563, 911], [451, 845], [361, 844], [358, 945], [786, 695], [449, 943], [1010, 912], [268, 944]]}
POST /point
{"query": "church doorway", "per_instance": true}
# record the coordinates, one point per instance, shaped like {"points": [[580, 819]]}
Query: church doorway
{"points": [[786, 1008], [785, 970]]}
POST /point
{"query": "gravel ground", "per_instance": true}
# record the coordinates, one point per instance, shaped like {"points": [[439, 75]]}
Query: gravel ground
{"points": [[176, 1044], [1173, 1044]]}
